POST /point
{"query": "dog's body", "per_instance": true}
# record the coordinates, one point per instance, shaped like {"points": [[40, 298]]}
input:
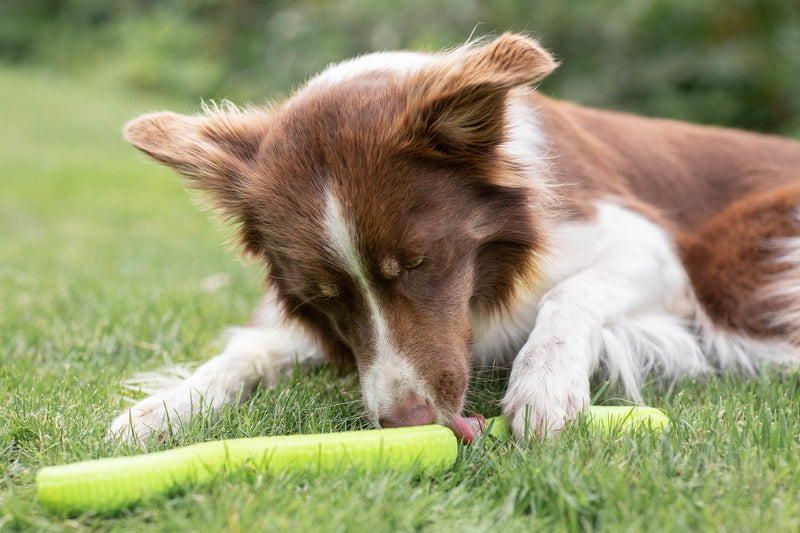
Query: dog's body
{"points": [[421, 213]]}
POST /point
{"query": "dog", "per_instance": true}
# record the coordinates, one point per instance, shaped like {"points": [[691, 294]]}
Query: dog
{"points": [[423, 214]]}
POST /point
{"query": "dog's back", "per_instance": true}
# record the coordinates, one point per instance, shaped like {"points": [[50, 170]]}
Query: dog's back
{"points": [[689, 173]]}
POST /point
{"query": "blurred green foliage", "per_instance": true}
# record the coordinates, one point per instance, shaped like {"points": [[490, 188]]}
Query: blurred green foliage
{"points": [[732, 62]]}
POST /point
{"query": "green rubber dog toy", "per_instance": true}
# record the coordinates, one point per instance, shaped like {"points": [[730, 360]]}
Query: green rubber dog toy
{"points": [[106, 485]]}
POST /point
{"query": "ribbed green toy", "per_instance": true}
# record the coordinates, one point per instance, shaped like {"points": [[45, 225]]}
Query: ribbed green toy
{"points": [[105, 485]]}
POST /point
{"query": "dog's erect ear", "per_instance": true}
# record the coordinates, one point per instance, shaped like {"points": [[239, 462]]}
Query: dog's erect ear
{"points": [[457, 105], [213, 150]]}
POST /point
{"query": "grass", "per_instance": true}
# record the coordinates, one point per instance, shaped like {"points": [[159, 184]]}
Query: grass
{"points": [[104, 271]]}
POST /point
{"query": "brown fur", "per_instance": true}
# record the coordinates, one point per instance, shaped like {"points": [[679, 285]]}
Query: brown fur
{"points": [[730, 261]]}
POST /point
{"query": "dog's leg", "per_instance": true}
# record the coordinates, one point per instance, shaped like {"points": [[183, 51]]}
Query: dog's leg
{"points": [[270, 347], [630, 267]]}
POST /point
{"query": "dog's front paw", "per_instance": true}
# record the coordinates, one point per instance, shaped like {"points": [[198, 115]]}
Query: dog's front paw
{"points": [[542, 414], [540, 401], [154, 417]]}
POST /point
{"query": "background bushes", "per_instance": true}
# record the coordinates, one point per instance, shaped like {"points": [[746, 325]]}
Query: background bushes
{"points": [[732, 62]]}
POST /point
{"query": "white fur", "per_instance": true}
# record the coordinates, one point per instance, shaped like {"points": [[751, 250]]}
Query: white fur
{"points": [[155, 381], [389, 378], [263, 353], [526, 144], [400, 63], [730, 350], [649, 345], [784, 289]]}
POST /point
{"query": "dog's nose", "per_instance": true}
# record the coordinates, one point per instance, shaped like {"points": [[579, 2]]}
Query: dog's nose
{"points": [[414, 411]]}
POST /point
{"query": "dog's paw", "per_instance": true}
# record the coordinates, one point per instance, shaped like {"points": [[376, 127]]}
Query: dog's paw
{"points": [[541, 399], [154, 417], [542, 414]]}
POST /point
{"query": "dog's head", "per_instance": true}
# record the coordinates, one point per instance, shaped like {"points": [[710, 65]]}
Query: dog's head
{"points": [[391, 205]]}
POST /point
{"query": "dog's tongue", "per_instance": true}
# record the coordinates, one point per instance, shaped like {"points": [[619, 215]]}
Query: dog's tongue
{"points": [[468, 428]]}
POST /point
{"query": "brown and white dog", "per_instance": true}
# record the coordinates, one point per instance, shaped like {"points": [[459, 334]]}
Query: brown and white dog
{"points": [[419, 214]]}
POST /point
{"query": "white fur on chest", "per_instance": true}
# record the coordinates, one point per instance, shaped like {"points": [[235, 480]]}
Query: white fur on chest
{"points": [[618, 243]]}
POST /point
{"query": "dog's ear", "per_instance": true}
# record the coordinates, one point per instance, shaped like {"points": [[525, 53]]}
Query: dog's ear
{"points": [[457, 105], [213, 150]]}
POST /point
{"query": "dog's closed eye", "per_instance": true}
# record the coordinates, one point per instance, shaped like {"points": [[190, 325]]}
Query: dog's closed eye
{"points": [[391, 268], [414, 263]]}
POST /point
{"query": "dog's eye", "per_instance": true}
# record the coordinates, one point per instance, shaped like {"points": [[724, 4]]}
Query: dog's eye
{"points": [[415, 263]]}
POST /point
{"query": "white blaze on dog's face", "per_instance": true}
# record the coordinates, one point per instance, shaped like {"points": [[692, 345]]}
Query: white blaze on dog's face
{"points": [[385, 207], [389, 376]]}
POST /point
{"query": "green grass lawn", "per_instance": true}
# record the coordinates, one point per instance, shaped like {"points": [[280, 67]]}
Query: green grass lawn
{"points": [[104, 269]]}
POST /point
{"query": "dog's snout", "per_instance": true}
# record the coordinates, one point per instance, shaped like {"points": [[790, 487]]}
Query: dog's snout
{"points": [[414, 411]]}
